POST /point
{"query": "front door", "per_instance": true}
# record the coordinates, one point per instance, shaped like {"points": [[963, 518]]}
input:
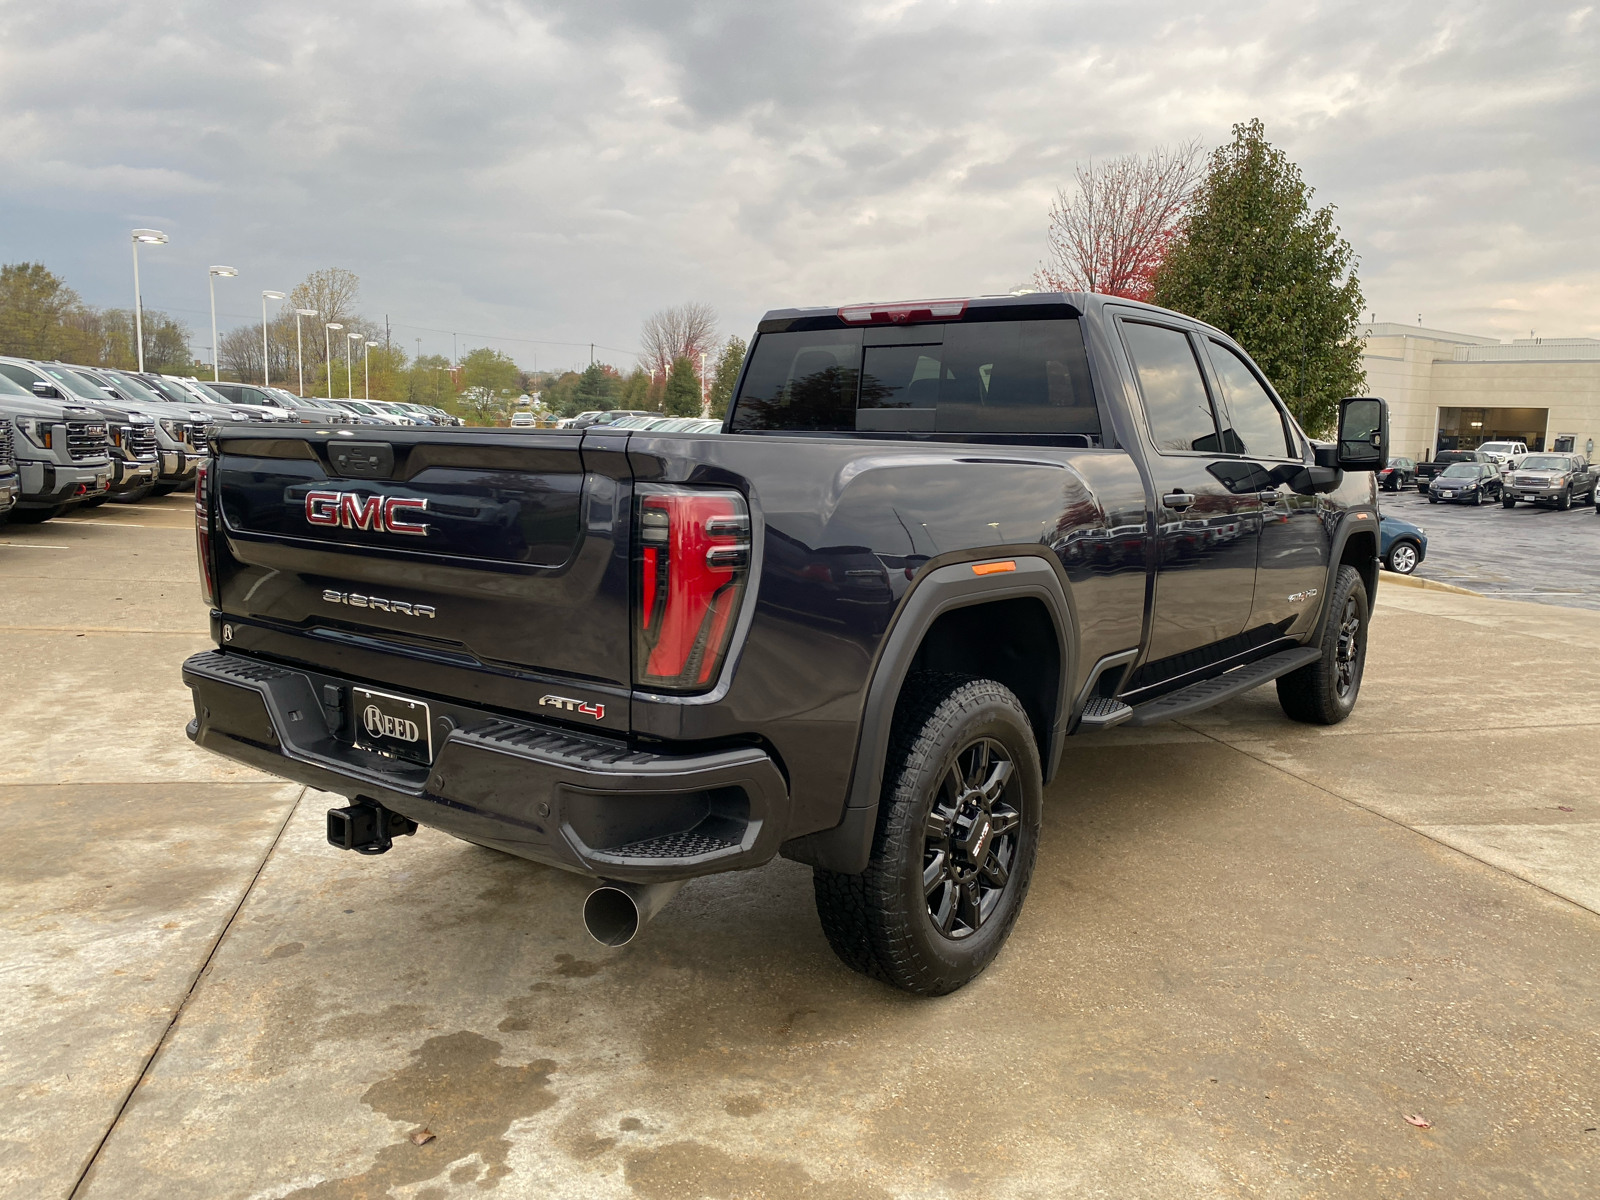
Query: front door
{"points": [[1207, 532], [1292, 568]]}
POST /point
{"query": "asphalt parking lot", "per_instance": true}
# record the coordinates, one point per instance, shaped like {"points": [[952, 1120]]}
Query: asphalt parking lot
{"points": [[1529, 552], [1252, 950]]}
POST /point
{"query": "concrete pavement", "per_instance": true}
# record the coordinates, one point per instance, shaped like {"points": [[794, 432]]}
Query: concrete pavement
{"points": [[1251, 949]]}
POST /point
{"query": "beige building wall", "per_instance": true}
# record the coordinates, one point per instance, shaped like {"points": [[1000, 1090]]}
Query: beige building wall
{"points": [[1421, 371]]}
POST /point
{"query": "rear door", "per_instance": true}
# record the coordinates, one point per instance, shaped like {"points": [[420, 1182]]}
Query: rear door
{"points": [[1208, 514], [433, 561]]}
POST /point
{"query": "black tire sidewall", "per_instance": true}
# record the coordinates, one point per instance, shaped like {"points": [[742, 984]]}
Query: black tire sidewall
{"points": [[946, 963]]}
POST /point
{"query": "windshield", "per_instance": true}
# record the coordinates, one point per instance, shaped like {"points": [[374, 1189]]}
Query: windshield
{"points": [[194, 385], [10, 387], [77, 383], [1461, 471], [1544, 462], [133, 390]]}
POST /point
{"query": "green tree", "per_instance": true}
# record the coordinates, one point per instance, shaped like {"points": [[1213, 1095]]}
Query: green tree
{"points": [[726, 375], [489, 370], [35, 305], [635, 390], [1257, 262], [597, 388], [682, 397]]}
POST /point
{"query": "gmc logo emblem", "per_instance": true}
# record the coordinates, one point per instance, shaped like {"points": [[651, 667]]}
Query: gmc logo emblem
{"points": [[376, 514]]}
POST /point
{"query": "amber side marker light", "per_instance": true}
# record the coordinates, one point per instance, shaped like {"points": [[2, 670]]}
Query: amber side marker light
{"points": [[993, 568]]}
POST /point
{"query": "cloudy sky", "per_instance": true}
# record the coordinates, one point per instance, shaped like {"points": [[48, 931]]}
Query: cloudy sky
{"points": [[554, 172]]}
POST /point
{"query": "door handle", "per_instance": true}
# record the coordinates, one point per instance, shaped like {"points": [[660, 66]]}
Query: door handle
{"points": [[1178, 501]]}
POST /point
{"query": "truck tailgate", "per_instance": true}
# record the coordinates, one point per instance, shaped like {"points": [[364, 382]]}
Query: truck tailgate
{"points": [[431, 561]]}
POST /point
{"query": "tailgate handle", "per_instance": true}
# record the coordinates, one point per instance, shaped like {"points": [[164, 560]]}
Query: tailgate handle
{"points": [[363, 460]]}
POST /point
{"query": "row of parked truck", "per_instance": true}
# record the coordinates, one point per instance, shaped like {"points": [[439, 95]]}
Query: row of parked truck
{"points": [[74, 436], [1510, 476]]}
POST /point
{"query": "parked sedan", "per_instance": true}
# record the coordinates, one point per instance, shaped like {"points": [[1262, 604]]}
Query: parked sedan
{"points": [[1466, 483], [1403, 545], [1397, 473], [1556, 479]]}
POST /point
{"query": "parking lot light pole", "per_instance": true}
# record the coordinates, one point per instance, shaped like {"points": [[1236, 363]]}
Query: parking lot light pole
{"points": [[151, 237], [349, 387], [299, 345], [266, 368], [330, 327], [211, 279], [366, 367]]}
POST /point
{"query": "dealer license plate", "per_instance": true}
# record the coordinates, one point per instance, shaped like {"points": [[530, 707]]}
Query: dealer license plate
{"points": [[392, 725], [1448, 495]]}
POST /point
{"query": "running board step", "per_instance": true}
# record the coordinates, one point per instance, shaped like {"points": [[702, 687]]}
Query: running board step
{"points": [[1207, 692], [1103, 712]]}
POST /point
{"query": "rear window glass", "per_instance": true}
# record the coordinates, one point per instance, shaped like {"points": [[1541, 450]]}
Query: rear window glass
{"points": [[992, 377]]}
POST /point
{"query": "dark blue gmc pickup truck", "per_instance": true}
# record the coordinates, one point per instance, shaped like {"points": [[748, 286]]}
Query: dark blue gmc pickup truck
{"points": [[854, 628]]}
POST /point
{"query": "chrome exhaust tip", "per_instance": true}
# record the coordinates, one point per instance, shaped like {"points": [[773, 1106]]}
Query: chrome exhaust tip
{"points": [[615, 912]]}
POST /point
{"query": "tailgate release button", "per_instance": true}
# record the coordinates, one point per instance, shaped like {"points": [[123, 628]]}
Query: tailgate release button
{"points": [[363, 460]]}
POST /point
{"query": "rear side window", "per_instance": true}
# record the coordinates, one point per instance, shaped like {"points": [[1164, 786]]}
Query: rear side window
{"points": [[983, 377], [1174, 391]]}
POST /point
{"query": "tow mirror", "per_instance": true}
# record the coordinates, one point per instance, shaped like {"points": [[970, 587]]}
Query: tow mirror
{"points": [[1363, 433], [46, 390]]}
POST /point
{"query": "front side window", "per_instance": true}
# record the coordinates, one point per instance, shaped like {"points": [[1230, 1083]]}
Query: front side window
{"points": [[1174, 392], [975, 377], [1257, 426]]}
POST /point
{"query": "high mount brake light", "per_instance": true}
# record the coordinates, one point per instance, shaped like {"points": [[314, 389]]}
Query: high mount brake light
{"points": [[691, 557], [202, 531], [899, 314]]}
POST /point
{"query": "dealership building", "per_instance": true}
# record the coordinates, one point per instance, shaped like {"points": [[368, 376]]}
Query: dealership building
{"points": [[1453, 391]]}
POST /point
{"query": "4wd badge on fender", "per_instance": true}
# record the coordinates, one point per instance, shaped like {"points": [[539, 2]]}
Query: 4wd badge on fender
{"points": [[597, 711]]}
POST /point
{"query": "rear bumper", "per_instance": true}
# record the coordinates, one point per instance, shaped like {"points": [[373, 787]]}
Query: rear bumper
{"points": [[578, 801]]}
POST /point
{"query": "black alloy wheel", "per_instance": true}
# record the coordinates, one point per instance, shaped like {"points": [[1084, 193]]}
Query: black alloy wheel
{"points": [[1324, 692], [970, 839], [955, 842]]}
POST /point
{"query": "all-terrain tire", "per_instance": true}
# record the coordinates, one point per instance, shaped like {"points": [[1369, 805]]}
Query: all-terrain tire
{"points": [[961, 801], [1324, 692]]}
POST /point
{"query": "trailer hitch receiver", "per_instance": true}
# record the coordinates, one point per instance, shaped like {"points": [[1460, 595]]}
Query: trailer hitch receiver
{"points": [[367, 827]]}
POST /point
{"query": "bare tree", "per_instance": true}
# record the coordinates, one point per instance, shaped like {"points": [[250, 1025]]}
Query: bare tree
{"points": [[1109, 236], [334, 293], [684, 331]]}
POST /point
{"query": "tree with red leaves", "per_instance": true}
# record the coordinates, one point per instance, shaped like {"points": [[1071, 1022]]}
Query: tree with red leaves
{"points": [[1111, 234]]}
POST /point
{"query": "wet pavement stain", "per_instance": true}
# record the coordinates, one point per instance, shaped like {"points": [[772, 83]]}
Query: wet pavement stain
{"points": [[456, 1088], [694, 1171], [575, 968]]}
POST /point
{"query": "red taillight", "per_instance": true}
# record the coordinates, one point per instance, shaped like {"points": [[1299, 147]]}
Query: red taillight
{"points": [[202, 533], [896, 314], [691, 564]]}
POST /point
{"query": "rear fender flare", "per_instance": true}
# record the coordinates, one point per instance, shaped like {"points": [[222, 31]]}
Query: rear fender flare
{"points": [[943, 589]]}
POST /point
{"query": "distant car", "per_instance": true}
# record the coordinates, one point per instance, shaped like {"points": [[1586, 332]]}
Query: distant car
{"points": [[582, 421], [1466, 483], [522, 420], [281, 405], [1399, 473], [1556, 479], [1503, 453], [1402, 545], [611, 416], [1427, 472]]}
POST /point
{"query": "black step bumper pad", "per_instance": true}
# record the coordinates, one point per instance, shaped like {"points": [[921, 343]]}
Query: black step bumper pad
{"points": [[572, 799]]}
